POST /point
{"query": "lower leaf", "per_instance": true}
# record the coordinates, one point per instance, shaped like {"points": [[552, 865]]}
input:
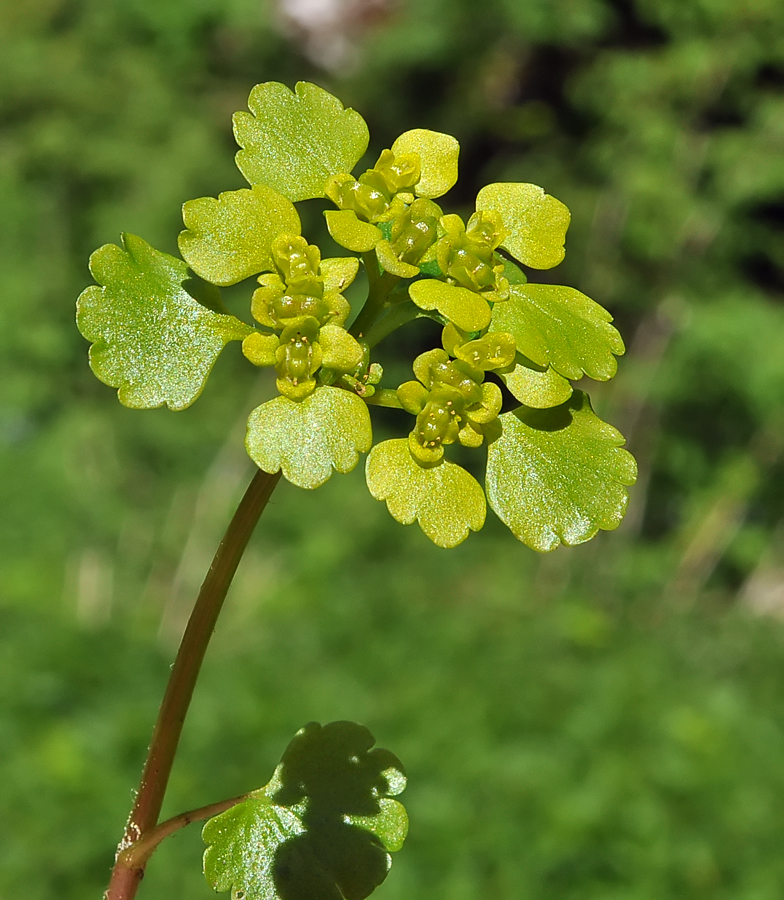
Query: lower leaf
{"points": [[322, 829]]}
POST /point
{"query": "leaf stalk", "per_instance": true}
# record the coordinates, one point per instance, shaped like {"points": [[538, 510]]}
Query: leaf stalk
{"points": [[139, 853]]}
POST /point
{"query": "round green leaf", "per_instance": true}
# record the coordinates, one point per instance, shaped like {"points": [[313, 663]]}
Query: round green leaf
{"points": [[466, 309], [438, 154], [307, 439], [558, 475], [151, 338], [560, 327], [322, 828], [229, 239], [536, 222], [446, 500], [536, 386], [294, 142]]}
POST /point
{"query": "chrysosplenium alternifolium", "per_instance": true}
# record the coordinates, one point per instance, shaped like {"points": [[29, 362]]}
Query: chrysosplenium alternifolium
{"points": [[555, 472]]}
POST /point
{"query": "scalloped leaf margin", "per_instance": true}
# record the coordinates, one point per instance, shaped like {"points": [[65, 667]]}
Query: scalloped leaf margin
{"points": [[558, 475]]}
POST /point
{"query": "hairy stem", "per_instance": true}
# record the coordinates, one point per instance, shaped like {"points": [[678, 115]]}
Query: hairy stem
{"points": [[139, 853], [126, 877]]}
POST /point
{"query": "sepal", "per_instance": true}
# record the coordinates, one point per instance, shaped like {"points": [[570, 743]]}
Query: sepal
{"points": [[350, 232], [468, 310]]}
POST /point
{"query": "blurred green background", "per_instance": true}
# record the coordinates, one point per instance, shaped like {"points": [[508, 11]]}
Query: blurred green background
{"points": [[603, 722]]}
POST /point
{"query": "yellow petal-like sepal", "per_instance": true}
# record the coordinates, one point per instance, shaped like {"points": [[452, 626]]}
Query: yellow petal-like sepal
{"points": [[468, 310], [261, 348], [350, 232]]}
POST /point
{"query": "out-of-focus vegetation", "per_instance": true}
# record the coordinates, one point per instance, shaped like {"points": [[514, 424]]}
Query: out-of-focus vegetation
{"points": [[606, 721]]}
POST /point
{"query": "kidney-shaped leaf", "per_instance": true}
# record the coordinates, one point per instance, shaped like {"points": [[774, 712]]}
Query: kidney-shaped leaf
{"points": [[558, 475], [228, 239], [151, 338], [309, 438], [322, 829], [446, 500], [536, 222], [560, 327], [294, 142]]}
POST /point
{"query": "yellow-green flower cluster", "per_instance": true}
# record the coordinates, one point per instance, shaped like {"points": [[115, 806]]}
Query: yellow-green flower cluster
{"points": [[389, 208], [451, 399], [301, 300]]}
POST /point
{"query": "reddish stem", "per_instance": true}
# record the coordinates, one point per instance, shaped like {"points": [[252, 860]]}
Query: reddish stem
{"points": [[127, 873]]}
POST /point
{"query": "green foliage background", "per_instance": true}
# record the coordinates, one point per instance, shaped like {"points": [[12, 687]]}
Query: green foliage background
{"points": [[606, 721]]}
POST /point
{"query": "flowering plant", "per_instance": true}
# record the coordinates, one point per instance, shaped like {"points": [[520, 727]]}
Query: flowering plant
{"points": [[500, 382]]}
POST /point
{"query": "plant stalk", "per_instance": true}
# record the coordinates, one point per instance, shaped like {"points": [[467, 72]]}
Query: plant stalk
{"points": [[380, 286], [384, 397], [126, 876]]}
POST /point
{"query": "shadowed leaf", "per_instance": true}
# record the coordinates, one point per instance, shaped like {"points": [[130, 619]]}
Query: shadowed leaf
{"points": [[322, 829], [537, 386]]}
